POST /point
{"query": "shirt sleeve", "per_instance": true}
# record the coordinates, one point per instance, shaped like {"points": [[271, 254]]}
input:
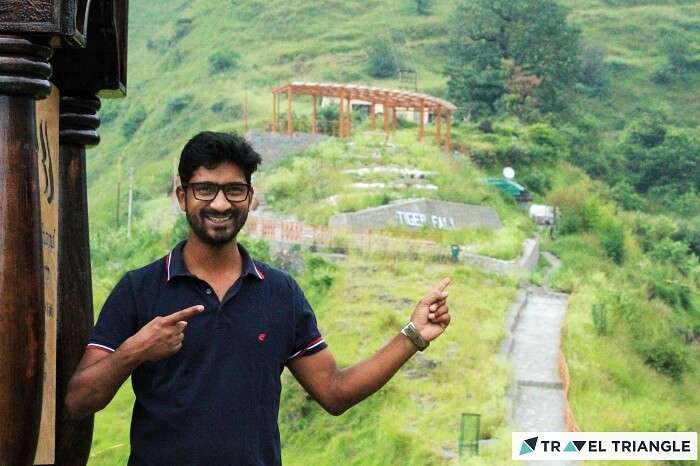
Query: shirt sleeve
{"points": [[307, 338], [117, 320]]}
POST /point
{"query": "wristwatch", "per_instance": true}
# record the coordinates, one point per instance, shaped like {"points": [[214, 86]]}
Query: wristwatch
{"points": [[410, 331]]}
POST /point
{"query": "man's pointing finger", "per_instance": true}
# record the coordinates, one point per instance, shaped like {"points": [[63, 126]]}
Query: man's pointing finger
{"points": [[443, 284], [184, 314]]}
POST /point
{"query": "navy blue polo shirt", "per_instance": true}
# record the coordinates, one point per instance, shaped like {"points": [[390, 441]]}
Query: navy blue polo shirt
{"points": [[216, 401]]}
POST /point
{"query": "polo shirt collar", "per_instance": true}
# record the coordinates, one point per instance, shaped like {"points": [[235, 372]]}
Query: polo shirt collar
{"points": [[175, 264]]}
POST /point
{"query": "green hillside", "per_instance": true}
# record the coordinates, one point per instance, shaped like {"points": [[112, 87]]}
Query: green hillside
{"points": [[633, 327]]}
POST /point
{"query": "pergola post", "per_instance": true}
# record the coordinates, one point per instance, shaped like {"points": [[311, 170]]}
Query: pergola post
{"points": [[448, 132], [373, 116], [290, 122], [274, 112], [386, 118], [438, 117], [341, 118], [349, 117], [314, 121], [421, 130]]}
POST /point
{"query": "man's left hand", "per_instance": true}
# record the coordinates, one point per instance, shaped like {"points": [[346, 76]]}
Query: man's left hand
{"points": [[432, 314]]}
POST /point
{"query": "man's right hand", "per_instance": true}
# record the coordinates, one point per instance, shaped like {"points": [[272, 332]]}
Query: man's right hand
{"points": [[162, 337]]}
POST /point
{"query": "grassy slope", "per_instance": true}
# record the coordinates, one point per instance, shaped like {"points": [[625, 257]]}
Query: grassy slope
{"points": [[279, 41]]}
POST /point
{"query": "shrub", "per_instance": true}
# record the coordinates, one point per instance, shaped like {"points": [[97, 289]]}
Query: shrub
{"points": [[134, 120], [224, 60], [599, 314], [227, 109], [183, 26], [593, 73], [178, 103], [381, 61], [537, 181], [613, 240]]}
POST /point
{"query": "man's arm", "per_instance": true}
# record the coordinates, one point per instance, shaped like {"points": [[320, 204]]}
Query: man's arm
{"points": [[100, 374], [339, 389]]}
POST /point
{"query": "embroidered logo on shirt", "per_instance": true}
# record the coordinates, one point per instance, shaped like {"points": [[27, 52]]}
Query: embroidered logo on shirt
{"points": [[261, 337]]}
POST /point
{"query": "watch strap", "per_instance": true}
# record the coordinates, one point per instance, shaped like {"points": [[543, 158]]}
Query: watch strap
{"points": [[410, 331]]}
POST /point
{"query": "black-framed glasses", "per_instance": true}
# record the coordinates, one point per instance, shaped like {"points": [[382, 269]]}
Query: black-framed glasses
{"points": [[207, 191]]}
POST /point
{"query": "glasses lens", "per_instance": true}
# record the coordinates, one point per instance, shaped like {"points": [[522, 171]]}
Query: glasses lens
{"points": [[205, 191], [236, 192]]}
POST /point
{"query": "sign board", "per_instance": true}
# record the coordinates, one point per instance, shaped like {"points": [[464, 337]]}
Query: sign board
{"points": [[47, 118]]}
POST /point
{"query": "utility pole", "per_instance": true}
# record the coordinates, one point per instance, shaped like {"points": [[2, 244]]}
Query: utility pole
{"points": [[131, 197], [119, 182], [245, 108]]}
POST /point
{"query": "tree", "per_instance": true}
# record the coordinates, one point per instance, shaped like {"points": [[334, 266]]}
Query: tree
{"points": [[381, 61], [490, 38]]}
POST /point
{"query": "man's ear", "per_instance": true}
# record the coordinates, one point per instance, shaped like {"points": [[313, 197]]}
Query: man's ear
{"points": [[180, 193], [251, 197]]}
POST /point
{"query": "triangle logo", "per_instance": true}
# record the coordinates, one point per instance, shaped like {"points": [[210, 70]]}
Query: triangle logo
{"points": [[528, 446], [570, 447], [579, 444]]}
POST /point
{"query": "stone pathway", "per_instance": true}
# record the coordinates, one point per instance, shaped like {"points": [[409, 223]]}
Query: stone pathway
{"points": [[538, 395]]}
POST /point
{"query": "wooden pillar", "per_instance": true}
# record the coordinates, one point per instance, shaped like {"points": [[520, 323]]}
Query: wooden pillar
{"points": [[348, 127], [290, 122], [79, 123], [341, 119], [274, 112], [24, 77], [314, 116], [373, 116], [386, 118], [438, 117], [421, 130], [448, 131]]}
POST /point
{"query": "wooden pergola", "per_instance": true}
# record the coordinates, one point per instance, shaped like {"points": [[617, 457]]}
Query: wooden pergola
{"points": [[390, 100]]}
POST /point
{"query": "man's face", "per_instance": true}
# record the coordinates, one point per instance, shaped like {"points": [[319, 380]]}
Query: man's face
{"points": [[218, 221]]}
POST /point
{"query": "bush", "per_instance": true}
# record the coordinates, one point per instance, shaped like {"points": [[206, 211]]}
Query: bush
{"points": [[599, 314], [227, 109], [593, 73], [134, 120], [183, 26], [381, 61], [613, 240], [537, 181], [224, 60], [177, 104]]}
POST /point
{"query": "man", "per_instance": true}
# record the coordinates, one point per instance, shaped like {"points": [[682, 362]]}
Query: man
{"points": [[206, 331]]}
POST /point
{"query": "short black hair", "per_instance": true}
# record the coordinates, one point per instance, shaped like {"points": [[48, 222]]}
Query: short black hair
{"points": [[209, 150]]}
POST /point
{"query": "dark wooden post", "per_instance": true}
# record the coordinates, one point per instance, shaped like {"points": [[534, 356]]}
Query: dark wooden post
{"points": [[373, 116], [24, 73], [78, 126], [438, 116], [81, 74], [314, 116]]}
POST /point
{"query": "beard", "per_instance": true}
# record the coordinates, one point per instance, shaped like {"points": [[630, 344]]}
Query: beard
{"points": [[217, 235]]}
